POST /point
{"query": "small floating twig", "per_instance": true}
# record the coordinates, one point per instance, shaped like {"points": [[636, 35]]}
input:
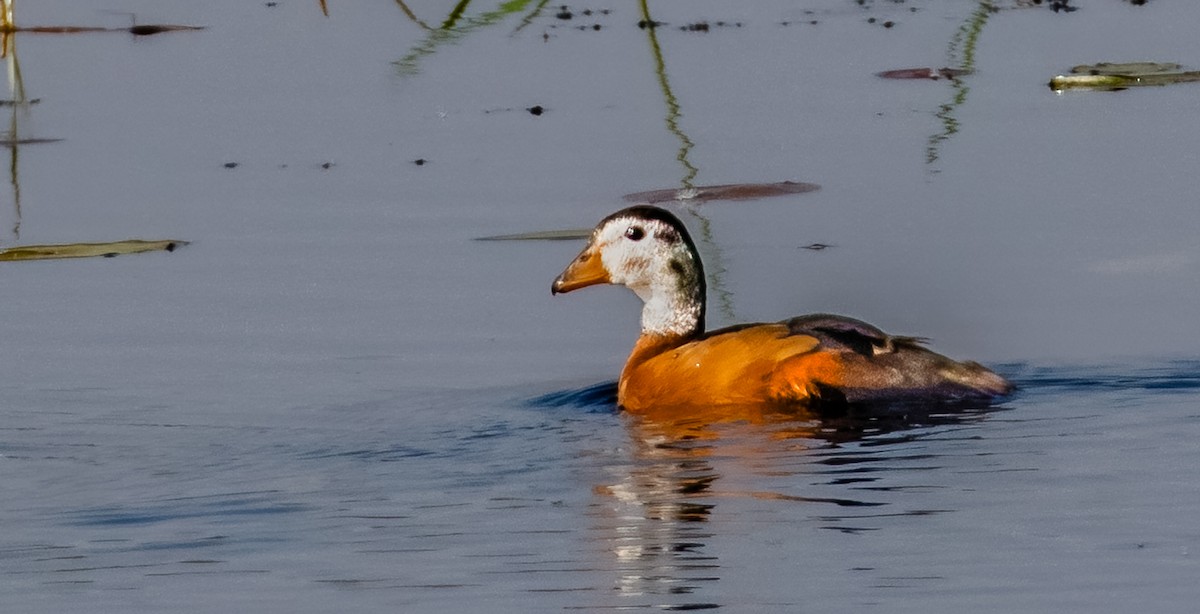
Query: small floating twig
{"points": [[32, 141], [543, 235], [146, 30], [87, 250], [59, 29]]}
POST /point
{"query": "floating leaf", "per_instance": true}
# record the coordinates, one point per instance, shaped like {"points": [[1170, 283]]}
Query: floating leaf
{"points": [[924, 73], [86, 250], [543, 235], [733, 191], [1108, 76]]}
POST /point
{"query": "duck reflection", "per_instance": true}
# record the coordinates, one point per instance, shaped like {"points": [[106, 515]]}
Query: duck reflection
{"points": [[654, 517], [659, 517]]}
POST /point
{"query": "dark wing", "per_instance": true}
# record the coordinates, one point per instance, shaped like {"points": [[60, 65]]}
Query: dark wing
{"points": [[840, 332], [881, 367]]}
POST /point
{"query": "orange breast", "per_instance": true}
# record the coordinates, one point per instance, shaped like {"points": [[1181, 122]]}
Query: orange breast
{"points": [[749, 366]]}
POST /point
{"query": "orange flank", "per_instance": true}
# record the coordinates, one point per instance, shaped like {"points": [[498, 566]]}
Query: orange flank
{"points": [[811, 360], [743, 366]]}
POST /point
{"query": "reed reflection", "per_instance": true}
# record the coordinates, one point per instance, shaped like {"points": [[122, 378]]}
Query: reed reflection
{"points": [[961, 53], [458, 24], [19, 104]]}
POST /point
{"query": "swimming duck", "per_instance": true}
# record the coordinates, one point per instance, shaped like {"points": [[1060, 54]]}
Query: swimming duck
{"points": [[809, 360]]}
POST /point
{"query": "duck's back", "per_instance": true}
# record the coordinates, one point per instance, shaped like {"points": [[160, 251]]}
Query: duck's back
{"points": [[819, 358]]}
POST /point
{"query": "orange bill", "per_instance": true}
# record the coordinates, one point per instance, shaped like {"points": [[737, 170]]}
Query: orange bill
{"points": [[585, 270]]}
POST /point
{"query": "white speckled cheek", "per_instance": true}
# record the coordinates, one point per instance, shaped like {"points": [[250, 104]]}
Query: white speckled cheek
{"points": [[613, 258], [623, 260]]}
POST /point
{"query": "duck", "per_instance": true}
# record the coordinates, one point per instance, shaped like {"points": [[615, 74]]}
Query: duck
{"points": [[815, 360]]}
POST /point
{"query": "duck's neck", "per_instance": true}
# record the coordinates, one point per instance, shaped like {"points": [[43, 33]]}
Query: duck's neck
{"points": [[673, 314], [666, 325], [669, 320], [673, 300]]}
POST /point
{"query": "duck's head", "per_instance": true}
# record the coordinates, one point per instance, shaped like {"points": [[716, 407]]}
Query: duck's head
{"points": [[648, 250]]}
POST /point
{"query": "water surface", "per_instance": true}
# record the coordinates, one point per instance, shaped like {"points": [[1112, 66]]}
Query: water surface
{"points": [[334, 399]]}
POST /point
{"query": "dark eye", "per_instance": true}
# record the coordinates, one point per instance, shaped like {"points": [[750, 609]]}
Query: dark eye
{"points": [[635, 233]]}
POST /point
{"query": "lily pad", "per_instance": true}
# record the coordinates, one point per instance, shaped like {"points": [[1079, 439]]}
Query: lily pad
{"points": [[732, 191], [1109, 76], [87, 250]]}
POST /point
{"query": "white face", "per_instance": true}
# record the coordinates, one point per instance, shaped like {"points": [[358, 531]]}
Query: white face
{"points": [[653, 257], [638, 253]]}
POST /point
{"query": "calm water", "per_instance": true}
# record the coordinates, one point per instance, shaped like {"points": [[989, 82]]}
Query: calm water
{"points": [[335, 400]]}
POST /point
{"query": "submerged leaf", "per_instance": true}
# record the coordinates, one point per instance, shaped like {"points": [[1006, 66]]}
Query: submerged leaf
{"points": [[1124, 68], [1092, 82], [733, 191], [86, 250]]}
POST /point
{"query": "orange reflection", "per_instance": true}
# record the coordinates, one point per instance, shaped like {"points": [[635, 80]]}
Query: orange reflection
{"points": [[705, 423]]}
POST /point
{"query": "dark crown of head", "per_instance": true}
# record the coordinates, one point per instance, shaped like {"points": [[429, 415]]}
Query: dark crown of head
{"points": [[651, 213]]}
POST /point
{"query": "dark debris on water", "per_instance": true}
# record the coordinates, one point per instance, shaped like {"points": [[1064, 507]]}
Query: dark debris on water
{"points": [[565, 12], [536, 110], [1063, 6]]}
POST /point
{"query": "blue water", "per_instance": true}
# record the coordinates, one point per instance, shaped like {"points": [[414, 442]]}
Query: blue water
{"points": [[335, 399], [1076, 494]]}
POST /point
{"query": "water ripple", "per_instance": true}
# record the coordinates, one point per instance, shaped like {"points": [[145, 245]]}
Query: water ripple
{"points": [[214, 506], [1181, 375], [598, 398]]}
